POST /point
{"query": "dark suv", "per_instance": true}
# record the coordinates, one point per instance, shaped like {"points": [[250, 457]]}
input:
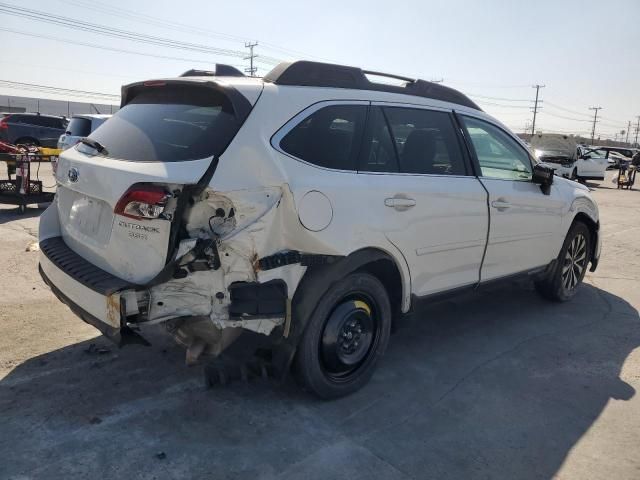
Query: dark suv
{"points": [[31, 129]]}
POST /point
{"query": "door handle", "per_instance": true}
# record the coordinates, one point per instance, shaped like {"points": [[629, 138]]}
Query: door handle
{"points": [[400, 203], [501, 204]]}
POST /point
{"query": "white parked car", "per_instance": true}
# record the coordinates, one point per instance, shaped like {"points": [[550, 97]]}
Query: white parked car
{"points": [[78, 127], [569, 159], [311, 207]]}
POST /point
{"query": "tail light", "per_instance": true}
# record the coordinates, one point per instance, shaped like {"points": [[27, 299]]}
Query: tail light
{"points": [[143, 202], [3, 124]]}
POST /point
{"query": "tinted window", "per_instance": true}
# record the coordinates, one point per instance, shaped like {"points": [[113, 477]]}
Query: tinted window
{"points": [[425, 141], [499, 155], [378, 152], [24, 119], [169, 124], [79, 127], [330, 137], [50, 122]]}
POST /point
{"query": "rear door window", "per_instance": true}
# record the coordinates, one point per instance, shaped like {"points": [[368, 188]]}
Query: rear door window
{"points": [[378, 153], [79, 127], [170, 124], [51, 122], [426, 141], [329, 137]]}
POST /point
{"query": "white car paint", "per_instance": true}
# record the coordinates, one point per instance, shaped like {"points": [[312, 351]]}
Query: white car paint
{"points": [[442, 231], [579, 163]]}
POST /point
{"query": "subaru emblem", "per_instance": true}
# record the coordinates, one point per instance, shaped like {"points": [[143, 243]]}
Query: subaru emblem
{"points": [[73, 174]]}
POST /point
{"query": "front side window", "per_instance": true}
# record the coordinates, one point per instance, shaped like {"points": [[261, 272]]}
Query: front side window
{"points": [[425, 141], [329, 137], [499, 155]]}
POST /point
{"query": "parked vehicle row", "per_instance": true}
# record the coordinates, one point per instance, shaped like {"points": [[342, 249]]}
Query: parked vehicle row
{"points": [[312, 207], [47, 130], [31, 129]]}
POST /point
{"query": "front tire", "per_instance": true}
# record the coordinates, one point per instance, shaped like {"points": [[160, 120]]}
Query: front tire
{"points": [[562, 282], [346, 335], [574, 175]]}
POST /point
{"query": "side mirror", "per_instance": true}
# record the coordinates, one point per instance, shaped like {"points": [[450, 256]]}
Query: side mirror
{"points": [[543, 176]]}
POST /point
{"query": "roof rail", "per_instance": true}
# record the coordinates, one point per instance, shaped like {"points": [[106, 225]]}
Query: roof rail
{"points": [[317, 74], [221, 70]]}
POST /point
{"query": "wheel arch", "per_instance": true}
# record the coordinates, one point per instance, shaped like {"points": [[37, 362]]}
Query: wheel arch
{"points": [[319, 278], [23, 139], [594, 230]]}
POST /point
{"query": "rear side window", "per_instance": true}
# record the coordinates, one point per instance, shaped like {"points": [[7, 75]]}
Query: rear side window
{"points": [[378, 152], [170, 124], [425, 141], [79, 127], [330, 137]]}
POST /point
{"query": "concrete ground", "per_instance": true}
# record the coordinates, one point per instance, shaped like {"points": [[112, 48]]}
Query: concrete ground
{"points": [[492, 385]]}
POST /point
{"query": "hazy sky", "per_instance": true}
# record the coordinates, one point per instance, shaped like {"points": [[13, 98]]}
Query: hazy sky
{"points": [[587, 53]]}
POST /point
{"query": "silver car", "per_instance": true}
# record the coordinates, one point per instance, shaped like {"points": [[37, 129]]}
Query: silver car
{"points": [[80, 126]]}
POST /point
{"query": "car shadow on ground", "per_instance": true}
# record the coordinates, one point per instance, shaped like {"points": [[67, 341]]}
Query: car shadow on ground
{"points": [[497, 384], [11, 214]]}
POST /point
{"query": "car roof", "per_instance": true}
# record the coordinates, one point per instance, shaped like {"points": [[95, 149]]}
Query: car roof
{"points": [[91, 115], [307, 74], [31, 114]]}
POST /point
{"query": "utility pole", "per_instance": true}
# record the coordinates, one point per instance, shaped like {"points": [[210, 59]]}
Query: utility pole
{"points": [[251, 70], [628, 128], [595, 119], [637, 130], [535, 108]]}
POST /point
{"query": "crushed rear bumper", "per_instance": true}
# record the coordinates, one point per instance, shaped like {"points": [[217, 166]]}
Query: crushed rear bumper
{"points": [[91, 293]]}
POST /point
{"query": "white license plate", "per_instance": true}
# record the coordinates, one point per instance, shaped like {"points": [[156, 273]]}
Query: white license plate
{"points": [[85, 218]]}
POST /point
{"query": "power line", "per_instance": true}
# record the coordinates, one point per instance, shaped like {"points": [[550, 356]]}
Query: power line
{"points": [[120, 33], [565, 118], [547, 102], [111, 49], [502, 105], [58, 90], [500, 98], [178, 26]]}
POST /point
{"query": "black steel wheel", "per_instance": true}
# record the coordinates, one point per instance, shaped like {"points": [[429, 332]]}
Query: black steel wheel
{"points": [[561, 283], [347, 333]]}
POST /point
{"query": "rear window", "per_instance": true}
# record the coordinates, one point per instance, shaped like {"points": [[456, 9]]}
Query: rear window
{"points": [[170, 124], [79, 127], [328, 138]]}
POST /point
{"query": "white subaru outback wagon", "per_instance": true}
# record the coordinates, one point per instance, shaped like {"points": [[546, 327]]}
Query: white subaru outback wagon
{"points": [[310, 207]]}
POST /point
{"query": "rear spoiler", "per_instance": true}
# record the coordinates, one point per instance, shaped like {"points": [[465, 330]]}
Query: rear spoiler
{"points": [[241, 106]]}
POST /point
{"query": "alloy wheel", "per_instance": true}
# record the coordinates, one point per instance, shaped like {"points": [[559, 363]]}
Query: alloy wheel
{"points": [[575, 261]]}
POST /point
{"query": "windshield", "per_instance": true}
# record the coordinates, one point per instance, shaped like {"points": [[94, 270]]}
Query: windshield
{"points": [[595, 154], [169, 124]]}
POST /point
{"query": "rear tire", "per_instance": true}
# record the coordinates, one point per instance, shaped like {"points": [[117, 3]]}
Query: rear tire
{"points": [[574, 174], [28, 141], [562, 282], [346, 335]]}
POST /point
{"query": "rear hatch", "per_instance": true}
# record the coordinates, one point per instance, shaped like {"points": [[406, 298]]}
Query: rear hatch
{"points": [[116, 197]]}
